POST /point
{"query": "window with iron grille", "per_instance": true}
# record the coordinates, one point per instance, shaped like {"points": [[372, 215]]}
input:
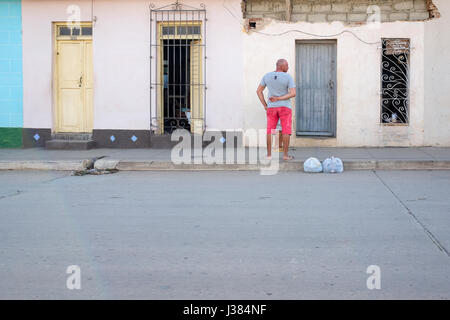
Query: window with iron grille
{"points": [[178, 68], [395, 81]]}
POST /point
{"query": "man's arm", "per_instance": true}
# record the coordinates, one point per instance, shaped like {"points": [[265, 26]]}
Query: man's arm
{"points": [[292, 93], [260, 94]]}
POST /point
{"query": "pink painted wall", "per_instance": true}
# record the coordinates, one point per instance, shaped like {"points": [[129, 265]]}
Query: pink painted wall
{"points": [[37, 17]]}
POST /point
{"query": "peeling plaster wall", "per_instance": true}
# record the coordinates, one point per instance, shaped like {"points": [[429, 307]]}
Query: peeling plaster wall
{"points": [[350, 11], [437, 77]]}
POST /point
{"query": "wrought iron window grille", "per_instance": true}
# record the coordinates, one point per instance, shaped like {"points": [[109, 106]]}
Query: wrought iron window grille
{"points": [[395, 73]]}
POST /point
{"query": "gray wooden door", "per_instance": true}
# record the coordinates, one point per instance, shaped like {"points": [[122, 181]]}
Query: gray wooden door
{"points": [[316, 88]]}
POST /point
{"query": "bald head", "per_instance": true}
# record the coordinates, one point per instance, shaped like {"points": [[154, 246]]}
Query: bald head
{"points": [[282, 65]]}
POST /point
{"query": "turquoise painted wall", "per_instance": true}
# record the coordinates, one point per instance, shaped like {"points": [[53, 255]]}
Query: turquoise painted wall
{"points": [[11, 111], [11, 64]]}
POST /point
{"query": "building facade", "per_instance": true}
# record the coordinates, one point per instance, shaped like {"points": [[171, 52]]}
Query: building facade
{"points": [[127, 94], [126, 73], [364, 69]]}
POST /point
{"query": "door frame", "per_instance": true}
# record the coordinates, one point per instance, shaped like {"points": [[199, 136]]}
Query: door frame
{"points": [[55, 40], [333, 114], [160, 63]]}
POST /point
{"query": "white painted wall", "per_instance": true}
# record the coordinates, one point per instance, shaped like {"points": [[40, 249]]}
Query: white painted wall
{"points": [[121, 62], [437, 77], [358, 80]]}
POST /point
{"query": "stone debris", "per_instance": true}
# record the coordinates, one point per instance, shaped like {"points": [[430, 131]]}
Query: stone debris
{"points": [[94, 172], [92, 169]]}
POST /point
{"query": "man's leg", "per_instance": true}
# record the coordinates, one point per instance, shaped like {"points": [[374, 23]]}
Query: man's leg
{"points": [[272, 119], [280, 141], [286, 138], [286, 126]]}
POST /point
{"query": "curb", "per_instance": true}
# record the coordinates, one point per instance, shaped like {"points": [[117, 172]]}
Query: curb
{"points": [[144, 165], [350, 165], [56, 165], [396, 165]]}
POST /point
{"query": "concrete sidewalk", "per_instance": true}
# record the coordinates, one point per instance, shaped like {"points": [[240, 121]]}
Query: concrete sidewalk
{"points": [[422, 158]]}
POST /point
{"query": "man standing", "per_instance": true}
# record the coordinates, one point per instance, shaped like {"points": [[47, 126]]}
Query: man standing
{"points": [[281, 89]]}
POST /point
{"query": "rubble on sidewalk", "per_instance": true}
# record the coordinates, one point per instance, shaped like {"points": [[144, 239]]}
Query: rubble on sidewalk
{"points": [[93, 172]]}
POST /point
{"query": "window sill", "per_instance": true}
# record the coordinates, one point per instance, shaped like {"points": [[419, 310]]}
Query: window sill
{"points": [[395, 124]]}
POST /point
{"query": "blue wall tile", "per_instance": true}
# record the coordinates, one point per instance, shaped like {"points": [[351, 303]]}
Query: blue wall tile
{"points": [[4, 8], [15, 37], [4, 36], [16, 93], [10, 79], [15, 120], [4, 120], [10, 51], [5, 92], [15, 9], [5, 65], [16, 65]]}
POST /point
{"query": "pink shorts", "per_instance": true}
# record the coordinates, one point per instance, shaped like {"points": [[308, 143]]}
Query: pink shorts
{"points": [[285, 116]]}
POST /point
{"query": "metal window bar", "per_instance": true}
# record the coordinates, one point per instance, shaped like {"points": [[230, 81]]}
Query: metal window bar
{"points": [[174, 89], [395, 55]]}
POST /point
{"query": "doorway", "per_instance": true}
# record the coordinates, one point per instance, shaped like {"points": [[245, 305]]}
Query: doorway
{"points": [[181, 93], [73, 78], [181, 90], [316, 88]]}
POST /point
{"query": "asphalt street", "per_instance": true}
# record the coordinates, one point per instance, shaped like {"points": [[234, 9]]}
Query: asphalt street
{"points": [[225, 235]]}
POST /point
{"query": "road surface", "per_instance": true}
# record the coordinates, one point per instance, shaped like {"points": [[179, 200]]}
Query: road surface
{"points": [[225, 235]]}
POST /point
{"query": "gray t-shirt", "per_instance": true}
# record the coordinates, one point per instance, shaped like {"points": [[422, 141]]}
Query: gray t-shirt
{"points": [[278, 84]]}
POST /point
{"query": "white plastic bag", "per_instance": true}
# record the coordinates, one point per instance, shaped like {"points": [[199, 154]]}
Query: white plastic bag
{"points": [[312, 165], [333, 165]]}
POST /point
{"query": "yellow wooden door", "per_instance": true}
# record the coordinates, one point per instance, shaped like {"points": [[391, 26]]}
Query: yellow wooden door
{"points": [[196, 88], [74, 79]]}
